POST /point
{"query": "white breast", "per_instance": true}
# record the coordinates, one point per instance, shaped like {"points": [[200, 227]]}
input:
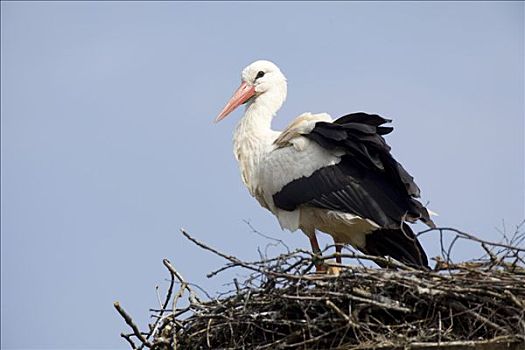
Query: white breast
{"points": [[270, 160]]}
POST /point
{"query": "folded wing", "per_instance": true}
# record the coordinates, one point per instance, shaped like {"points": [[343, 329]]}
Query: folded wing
{"points": [[367, 182]]}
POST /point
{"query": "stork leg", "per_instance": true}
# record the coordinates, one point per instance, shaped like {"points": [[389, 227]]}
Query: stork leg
{"points": [[336, 270], [319, 265], [315, 245], [338, 248]]}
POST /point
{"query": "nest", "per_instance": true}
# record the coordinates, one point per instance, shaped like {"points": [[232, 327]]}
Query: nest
{"points": [[283, 303]]}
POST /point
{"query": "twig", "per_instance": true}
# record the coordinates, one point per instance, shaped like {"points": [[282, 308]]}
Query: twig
{"points": [[163, 306], [129, 340], [193, 296], [281, 304], [278, 241], [132, 324], [341, 313], [472, 238]]}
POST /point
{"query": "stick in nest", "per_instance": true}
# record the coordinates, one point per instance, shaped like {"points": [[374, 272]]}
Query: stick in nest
{"points": [[280, 304]]}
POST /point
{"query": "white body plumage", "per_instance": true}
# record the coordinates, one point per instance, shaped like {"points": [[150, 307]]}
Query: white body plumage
{"points": [[285, 164]]}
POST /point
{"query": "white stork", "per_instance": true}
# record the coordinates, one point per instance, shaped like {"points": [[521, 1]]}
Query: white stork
{"points": [[337, 177]]}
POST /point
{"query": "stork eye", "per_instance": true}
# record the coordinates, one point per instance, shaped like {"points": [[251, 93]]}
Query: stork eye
{"points": [[259, 75]]}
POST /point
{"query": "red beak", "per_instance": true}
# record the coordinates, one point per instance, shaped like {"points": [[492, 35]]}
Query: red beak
{"points": [[241, 95]]}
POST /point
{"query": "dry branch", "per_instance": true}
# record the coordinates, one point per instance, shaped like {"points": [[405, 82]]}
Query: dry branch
{"points": [[281, 304]]}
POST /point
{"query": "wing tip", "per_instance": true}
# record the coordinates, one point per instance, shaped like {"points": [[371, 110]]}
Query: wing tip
{"points": [[401, 244]]}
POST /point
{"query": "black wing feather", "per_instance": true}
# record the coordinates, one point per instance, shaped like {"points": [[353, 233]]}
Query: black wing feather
{"points": [[362, 118], [348, 188], [401, 244], [367, 182]]}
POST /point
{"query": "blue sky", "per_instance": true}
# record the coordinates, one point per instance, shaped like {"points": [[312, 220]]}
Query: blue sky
{"points": [[108, 145]]}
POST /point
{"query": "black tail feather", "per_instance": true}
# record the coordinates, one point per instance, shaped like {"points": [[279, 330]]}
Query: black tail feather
{"points": [[400, 244]]}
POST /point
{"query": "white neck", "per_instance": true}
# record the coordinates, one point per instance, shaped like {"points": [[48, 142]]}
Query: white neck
{"points": [[253, 137], [256, 122]]}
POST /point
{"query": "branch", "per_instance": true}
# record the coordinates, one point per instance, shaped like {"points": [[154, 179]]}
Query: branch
{"points": [[132, 324], [471, 237]]}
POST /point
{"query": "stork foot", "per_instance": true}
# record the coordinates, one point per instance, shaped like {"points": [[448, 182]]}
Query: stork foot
{"points": [[333, 270], [326, 269]]}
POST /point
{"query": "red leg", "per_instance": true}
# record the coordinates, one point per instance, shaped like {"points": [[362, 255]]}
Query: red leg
{"points": [[338, 248], [319, 266], [315, 245]]}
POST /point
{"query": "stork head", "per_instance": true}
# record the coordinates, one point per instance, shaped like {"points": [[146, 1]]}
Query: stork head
{"points": [[262, 84]]}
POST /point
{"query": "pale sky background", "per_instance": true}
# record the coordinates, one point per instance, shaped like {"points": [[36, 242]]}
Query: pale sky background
{"points": [[108, 145]]}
